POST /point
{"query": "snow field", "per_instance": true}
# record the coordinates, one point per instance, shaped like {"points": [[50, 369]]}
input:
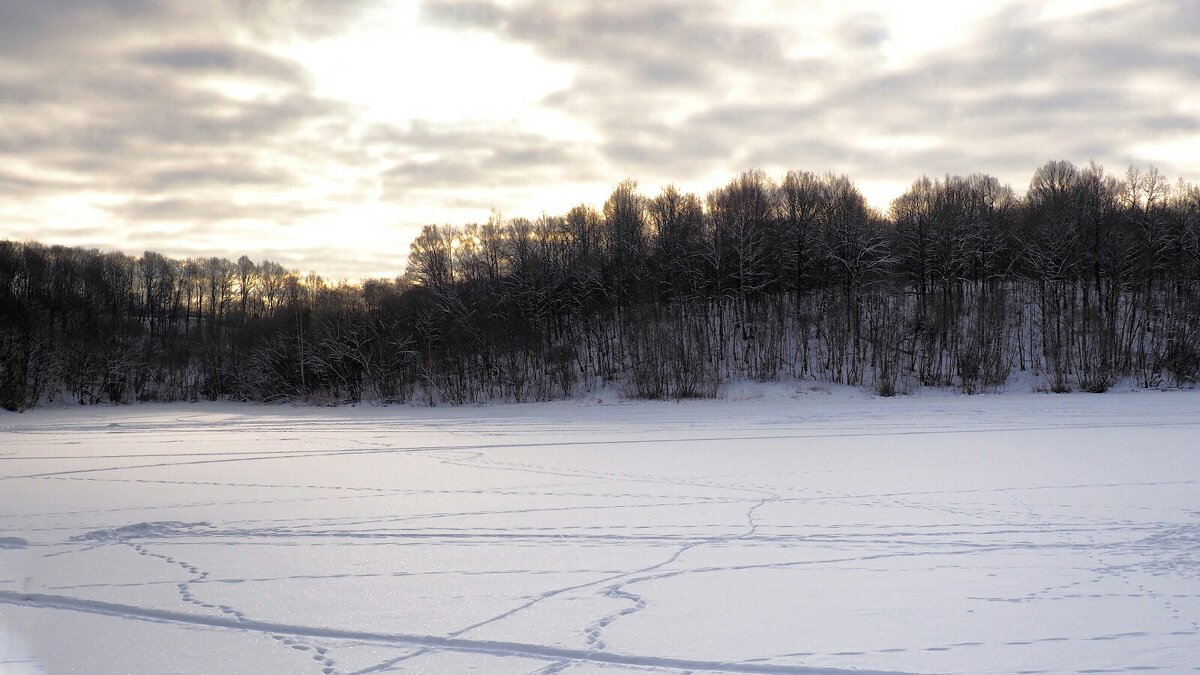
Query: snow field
{"points": [[800, 533]]}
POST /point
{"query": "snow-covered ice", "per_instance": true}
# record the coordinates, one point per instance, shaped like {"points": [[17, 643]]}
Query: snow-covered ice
{"points": [[795, 533]]}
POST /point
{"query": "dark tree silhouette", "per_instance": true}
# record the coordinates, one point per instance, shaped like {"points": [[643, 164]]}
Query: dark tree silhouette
{"points": [[1087, 279]]}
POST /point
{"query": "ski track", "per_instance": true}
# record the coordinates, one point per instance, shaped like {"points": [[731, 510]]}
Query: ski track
{"points": [[280, 631], [1127, 557]]}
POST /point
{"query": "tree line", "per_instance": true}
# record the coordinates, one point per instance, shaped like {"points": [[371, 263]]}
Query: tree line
{"points": [[1087, 279]]}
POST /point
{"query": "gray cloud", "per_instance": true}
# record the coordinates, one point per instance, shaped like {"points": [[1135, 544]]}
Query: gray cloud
{"points": [[206, 211], [864, 31], [69, 27], [1022, 90], [15, 185], [129, 99], [656, 43], [462, 13], [223, 59], [479, 158], [124, 99], [216, 175]]}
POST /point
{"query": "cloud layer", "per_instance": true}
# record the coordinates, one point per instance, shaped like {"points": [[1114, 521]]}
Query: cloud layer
{"points": [[198, 128], [679, 87]]}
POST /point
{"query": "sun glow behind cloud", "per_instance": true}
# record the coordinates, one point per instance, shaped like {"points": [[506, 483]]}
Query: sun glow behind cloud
{"points": [[399, 72], [399, 69]]}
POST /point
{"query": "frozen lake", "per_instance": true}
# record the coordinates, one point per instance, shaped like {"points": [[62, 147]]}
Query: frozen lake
{"points": [[1021, 532]]}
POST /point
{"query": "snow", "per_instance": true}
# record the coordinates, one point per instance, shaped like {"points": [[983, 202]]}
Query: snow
{"points": [[801, 529]]}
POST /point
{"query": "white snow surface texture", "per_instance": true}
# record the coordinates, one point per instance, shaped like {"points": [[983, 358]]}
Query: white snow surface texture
{"points": [[802, 533]]}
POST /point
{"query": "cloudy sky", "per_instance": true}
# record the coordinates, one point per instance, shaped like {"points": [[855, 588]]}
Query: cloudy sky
{"points": [[323, 133]]}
